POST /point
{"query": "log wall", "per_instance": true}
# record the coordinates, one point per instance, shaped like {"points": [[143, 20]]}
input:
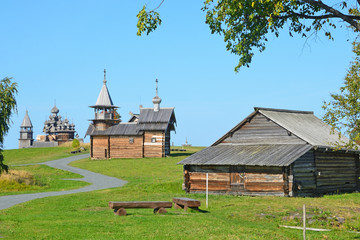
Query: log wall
{"points": [[120, 147], [260, 130], [99, 146], [303, 175], [167, 143], [154, 149], [238, 180], [336, 172]]}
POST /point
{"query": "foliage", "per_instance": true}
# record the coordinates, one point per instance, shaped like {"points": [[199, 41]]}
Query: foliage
{"points": [[343, 111], [75, 143], [148, 21], [8, 90], [245, 24], [116, 116]]}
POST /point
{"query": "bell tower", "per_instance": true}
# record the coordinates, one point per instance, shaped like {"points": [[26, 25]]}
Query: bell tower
{"points": [[104, 109], [26, 132]]}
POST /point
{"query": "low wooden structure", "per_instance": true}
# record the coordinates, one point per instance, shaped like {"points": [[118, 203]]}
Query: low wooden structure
{"points": [[186, 203], [145, 135], [158, 206], [275, 152]]}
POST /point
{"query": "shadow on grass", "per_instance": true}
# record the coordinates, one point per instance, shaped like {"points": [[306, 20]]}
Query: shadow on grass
{"points": [[180, 154]]}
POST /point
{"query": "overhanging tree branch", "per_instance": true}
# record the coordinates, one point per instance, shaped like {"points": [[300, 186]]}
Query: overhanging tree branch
{"points": [[347, 18]]}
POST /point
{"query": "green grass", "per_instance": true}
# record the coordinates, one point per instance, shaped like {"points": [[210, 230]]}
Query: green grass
{"points": [[47, 179], [36, 155], [87, 216]]}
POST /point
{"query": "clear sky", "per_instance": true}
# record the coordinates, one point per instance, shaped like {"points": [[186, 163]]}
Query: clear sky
{"points": [[57, 50]]}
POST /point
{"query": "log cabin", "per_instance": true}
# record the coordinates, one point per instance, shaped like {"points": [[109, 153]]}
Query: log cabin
{"points": [[146, 134], [275, 152]]}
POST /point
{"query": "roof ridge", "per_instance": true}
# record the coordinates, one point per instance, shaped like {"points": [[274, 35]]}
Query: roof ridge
{"points": [[282, 110]]}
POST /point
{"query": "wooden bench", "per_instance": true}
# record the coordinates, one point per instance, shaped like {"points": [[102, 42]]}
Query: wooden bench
{"points": [[186, 203], [158, 206]]}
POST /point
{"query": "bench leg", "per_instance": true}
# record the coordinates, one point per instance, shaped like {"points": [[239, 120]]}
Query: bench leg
{"points": [[177, 206], [120, 212], [160, 210]]}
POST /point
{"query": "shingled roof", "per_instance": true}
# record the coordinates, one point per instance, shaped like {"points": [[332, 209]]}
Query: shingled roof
{"points": [[104, 98], [148, 120], [258, 155], [304, 125], [26, 123], [148, 115], [121, 129]]}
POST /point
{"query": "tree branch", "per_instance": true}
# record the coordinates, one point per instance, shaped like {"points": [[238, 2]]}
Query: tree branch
{"points": [[347, 18], [161, 4]]}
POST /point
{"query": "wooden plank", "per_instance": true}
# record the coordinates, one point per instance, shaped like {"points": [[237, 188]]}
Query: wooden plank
{"points": [[140, 204], [187, 202], [263, 177], [264, 186]]}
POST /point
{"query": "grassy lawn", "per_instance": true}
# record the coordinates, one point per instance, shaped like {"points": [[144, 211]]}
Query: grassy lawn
{"points": [[47, 179], [37, 155], [87, 215]]}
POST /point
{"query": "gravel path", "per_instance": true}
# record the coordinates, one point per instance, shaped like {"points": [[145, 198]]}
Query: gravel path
{"points": [[98, 181]]}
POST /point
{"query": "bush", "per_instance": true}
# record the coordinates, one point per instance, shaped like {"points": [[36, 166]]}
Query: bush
{"points": [[75, 143], [14, 181]]}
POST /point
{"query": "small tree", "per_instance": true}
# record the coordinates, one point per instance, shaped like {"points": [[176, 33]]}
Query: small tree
{"points": [[343, 111], [8, 90], [75, 143]]}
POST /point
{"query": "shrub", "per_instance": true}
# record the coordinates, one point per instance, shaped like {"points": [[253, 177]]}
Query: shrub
{"points": [[16, 181], [75, 143]]}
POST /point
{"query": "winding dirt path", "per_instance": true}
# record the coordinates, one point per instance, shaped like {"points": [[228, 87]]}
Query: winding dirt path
{"points": [[98, 181]]}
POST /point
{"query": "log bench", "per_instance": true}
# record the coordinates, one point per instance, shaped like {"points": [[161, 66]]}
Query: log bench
{"points": [[186, 203], [158, 206]]}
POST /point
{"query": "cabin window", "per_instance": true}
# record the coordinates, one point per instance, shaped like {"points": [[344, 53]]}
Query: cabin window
{"points": [[131, 140], [153, 140]]}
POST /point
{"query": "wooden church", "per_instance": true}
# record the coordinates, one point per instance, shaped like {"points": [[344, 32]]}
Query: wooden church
{"points": [[146, 134], [275, 152]]}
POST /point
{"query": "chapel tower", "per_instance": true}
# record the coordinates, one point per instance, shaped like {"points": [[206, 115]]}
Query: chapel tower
{"points": [[104, 109], [26, 132]]}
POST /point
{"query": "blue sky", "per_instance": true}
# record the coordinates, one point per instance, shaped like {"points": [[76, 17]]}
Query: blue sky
{"points": [[57, 50]]}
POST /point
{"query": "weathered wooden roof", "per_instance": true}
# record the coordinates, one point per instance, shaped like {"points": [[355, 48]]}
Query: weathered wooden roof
{"points": [[104, 98], [121, 129], [303, 124], [153, 126], [26, 121], [259, 155], [149, 120], [148, 115]]}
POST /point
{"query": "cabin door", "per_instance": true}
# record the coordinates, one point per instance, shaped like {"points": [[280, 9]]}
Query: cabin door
{"points": [[237, 179]]}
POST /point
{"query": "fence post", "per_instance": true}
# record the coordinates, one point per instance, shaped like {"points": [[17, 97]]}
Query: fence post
{"points": [[207, 189], [304, 222]]}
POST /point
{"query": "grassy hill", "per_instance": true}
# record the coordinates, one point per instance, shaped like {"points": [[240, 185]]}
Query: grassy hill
{"points": [[87, 215], [44, 178], [38, 155]]}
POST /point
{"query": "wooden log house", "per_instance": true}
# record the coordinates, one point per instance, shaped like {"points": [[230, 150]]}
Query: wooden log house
{"points": [[275, 152], [145, 135]]}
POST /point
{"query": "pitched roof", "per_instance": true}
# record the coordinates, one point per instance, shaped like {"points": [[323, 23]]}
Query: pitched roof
{"points": [[253, 155], [148, 115], [26, 121], [148, 120], [121, 129], [303, 124], [104, 99]]}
